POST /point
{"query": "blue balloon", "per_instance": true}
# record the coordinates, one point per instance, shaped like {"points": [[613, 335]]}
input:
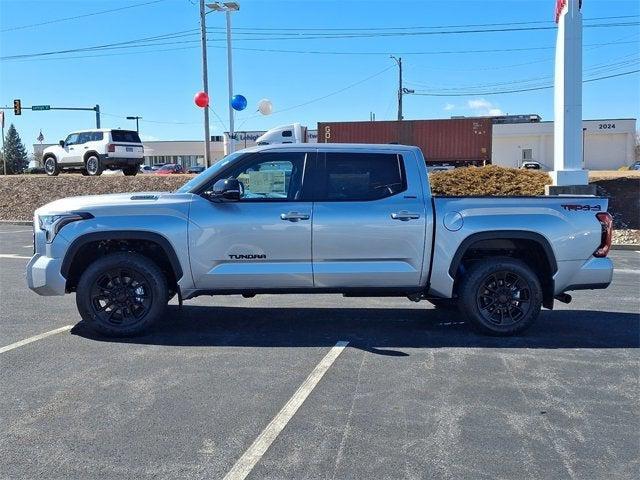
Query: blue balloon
{"points": [[238, 102]]}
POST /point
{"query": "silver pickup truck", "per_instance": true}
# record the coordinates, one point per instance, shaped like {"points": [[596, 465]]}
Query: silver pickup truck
{"points": [[358, 220]]}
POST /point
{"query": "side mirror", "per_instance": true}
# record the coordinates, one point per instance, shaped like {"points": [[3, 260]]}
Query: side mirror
{"points": [[61, 142], [228, 189]]}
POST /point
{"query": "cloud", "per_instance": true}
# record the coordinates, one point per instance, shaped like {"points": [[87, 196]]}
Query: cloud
{"points": [[484, 107], [449, 106]]}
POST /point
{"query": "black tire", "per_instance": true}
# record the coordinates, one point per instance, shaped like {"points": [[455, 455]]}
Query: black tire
{"points": [[51, 167], [122, 294], [500, 296], [93, 166], [130, 171], [84, 172], [444, 303]]}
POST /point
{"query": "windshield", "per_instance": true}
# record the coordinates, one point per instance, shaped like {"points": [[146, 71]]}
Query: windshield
{"points": [[209, 172]]}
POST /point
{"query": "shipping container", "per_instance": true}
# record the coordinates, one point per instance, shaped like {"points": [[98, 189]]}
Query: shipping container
{"points": [[465, 141]]}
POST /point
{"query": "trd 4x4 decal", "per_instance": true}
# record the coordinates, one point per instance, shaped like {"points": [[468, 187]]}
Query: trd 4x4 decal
{"points": [[582, 208]]}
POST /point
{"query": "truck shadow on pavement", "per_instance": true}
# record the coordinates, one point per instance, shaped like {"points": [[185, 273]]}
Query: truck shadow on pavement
{"points": [[378, 330]]}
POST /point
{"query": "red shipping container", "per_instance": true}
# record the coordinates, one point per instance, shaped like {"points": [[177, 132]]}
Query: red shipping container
{"points": [[455, 141]]}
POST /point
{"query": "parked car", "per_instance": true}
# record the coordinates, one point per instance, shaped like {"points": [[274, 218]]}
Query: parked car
{"points": [[94, 151], [146, 169], [169, 169], [530, 166], [33, 168], [196, 169], [635, 166], [358, 220]]}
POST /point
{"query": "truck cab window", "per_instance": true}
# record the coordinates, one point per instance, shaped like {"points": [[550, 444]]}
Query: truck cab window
{"points": [[361, 176], [271, 176]]}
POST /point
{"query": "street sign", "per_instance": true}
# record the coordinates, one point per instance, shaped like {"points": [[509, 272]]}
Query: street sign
{"points": [[17, 107], [41, 107]]}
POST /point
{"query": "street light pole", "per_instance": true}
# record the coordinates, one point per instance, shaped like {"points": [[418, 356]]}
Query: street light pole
{"points": [[205, 82], [232, 138], [228, 7], [136, 119]]}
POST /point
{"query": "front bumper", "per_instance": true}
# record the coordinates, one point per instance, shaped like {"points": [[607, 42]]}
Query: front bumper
{"points": [[596, 273], [44, 277]]}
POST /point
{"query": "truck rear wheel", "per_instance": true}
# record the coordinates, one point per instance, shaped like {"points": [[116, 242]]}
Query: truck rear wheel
{"points": [[500, 296], [122, 294], [130, 171]]}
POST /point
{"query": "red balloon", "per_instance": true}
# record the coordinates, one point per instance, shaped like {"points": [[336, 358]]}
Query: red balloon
{"points": [[201, 99]]}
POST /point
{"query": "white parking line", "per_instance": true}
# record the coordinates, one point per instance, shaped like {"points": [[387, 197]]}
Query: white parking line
{"points": [[252, 456], [625, 270], [17, 231], [13, 255], [35, 338]]}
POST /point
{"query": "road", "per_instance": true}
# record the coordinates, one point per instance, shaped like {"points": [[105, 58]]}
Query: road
{"points": [[262, 388]]}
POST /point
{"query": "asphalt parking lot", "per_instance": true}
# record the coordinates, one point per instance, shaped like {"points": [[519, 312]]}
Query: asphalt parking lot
{"points": [[262, 386]]}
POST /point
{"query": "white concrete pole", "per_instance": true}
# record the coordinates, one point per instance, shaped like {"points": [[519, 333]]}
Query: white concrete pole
{"points": [[567, 142]]}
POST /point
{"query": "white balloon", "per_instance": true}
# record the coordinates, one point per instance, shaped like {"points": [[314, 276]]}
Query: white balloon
{"points": [[265, 107]]}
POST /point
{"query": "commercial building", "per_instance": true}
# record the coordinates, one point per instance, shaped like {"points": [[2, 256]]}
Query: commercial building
{"points": [[608, 143]]}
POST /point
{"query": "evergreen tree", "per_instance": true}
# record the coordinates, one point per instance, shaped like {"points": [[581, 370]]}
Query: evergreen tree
{"points": [[14, 152]]}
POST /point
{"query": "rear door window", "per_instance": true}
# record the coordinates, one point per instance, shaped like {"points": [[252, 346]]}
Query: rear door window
{"points": [[126, 136], [84, 137], [360, 176]]}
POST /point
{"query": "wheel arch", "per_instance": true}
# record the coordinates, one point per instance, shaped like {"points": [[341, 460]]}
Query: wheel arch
{"points": [[89, 154], [121, 240], [528, 246]]}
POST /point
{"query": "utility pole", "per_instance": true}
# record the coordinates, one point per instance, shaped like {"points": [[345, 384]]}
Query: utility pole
{"points": [[400, 91], [205, 82], [97, 109]]}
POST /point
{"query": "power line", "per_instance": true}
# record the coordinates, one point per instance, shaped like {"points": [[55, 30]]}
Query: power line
{"points": [[546, 87], [66, 19], [422, 26], [336, 92]]}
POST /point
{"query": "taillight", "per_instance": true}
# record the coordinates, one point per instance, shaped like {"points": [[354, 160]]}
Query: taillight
{"points": [[111, 147], [606, 222]]}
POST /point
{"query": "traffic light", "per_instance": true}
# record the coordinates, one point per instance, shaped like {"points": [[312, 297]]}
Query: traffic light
{"points": [[17, 107]]}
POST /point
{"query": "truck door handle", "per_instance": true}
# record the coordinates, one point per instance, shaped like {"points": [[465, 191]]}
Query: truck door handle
{"points": [[404, 216], [294, 216]]}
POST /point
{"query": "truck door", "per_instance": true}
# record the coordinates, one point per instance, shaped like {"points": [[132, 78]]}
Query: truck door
{"points": [[262, 241], [72, 150], [368, 221]]}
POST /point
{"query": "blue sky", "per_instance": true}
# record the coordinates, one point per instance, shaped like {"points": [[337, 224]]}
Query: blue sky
{"points": [[158, 81]]}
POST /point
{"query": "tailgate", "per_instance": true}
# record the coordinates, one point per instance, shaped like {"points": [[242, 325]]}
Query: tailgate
{"points": [[128, 150]]}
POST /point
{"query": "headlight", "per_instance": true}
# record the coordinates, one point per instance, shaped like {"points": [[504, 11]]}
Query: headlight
{"points": [[51, 224]]}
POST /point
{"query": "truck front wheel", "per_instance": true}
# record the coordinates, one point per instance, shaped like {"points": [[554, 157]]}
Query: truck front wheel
{"points": [[500, 296], [122, 294]]}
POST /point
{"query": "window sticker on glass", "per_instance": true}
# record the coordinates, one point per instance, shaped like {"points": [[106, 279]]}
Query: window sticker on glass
{"points": [[269, 182]]}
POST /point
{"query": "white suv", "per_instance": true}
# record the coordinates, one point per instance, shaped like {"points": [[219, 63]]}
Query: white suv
{"points": [[93, 151]]}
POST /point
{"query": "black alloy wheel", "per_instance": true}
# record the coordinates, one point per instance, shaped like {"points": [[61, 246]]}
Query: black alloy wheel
{"points": [[504, 298], [122, 294], [121, 297], [500, 296]]}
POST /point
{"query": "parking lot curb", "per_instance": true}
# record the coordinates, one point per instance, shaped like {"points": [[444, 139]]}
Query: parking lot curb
{"points": [[625, 247], [15, 222]]}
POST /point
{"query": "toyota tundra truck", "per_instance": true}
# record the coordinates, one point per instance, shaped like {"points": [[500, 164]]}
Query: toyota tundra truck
{"points": [[357, 220]]}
